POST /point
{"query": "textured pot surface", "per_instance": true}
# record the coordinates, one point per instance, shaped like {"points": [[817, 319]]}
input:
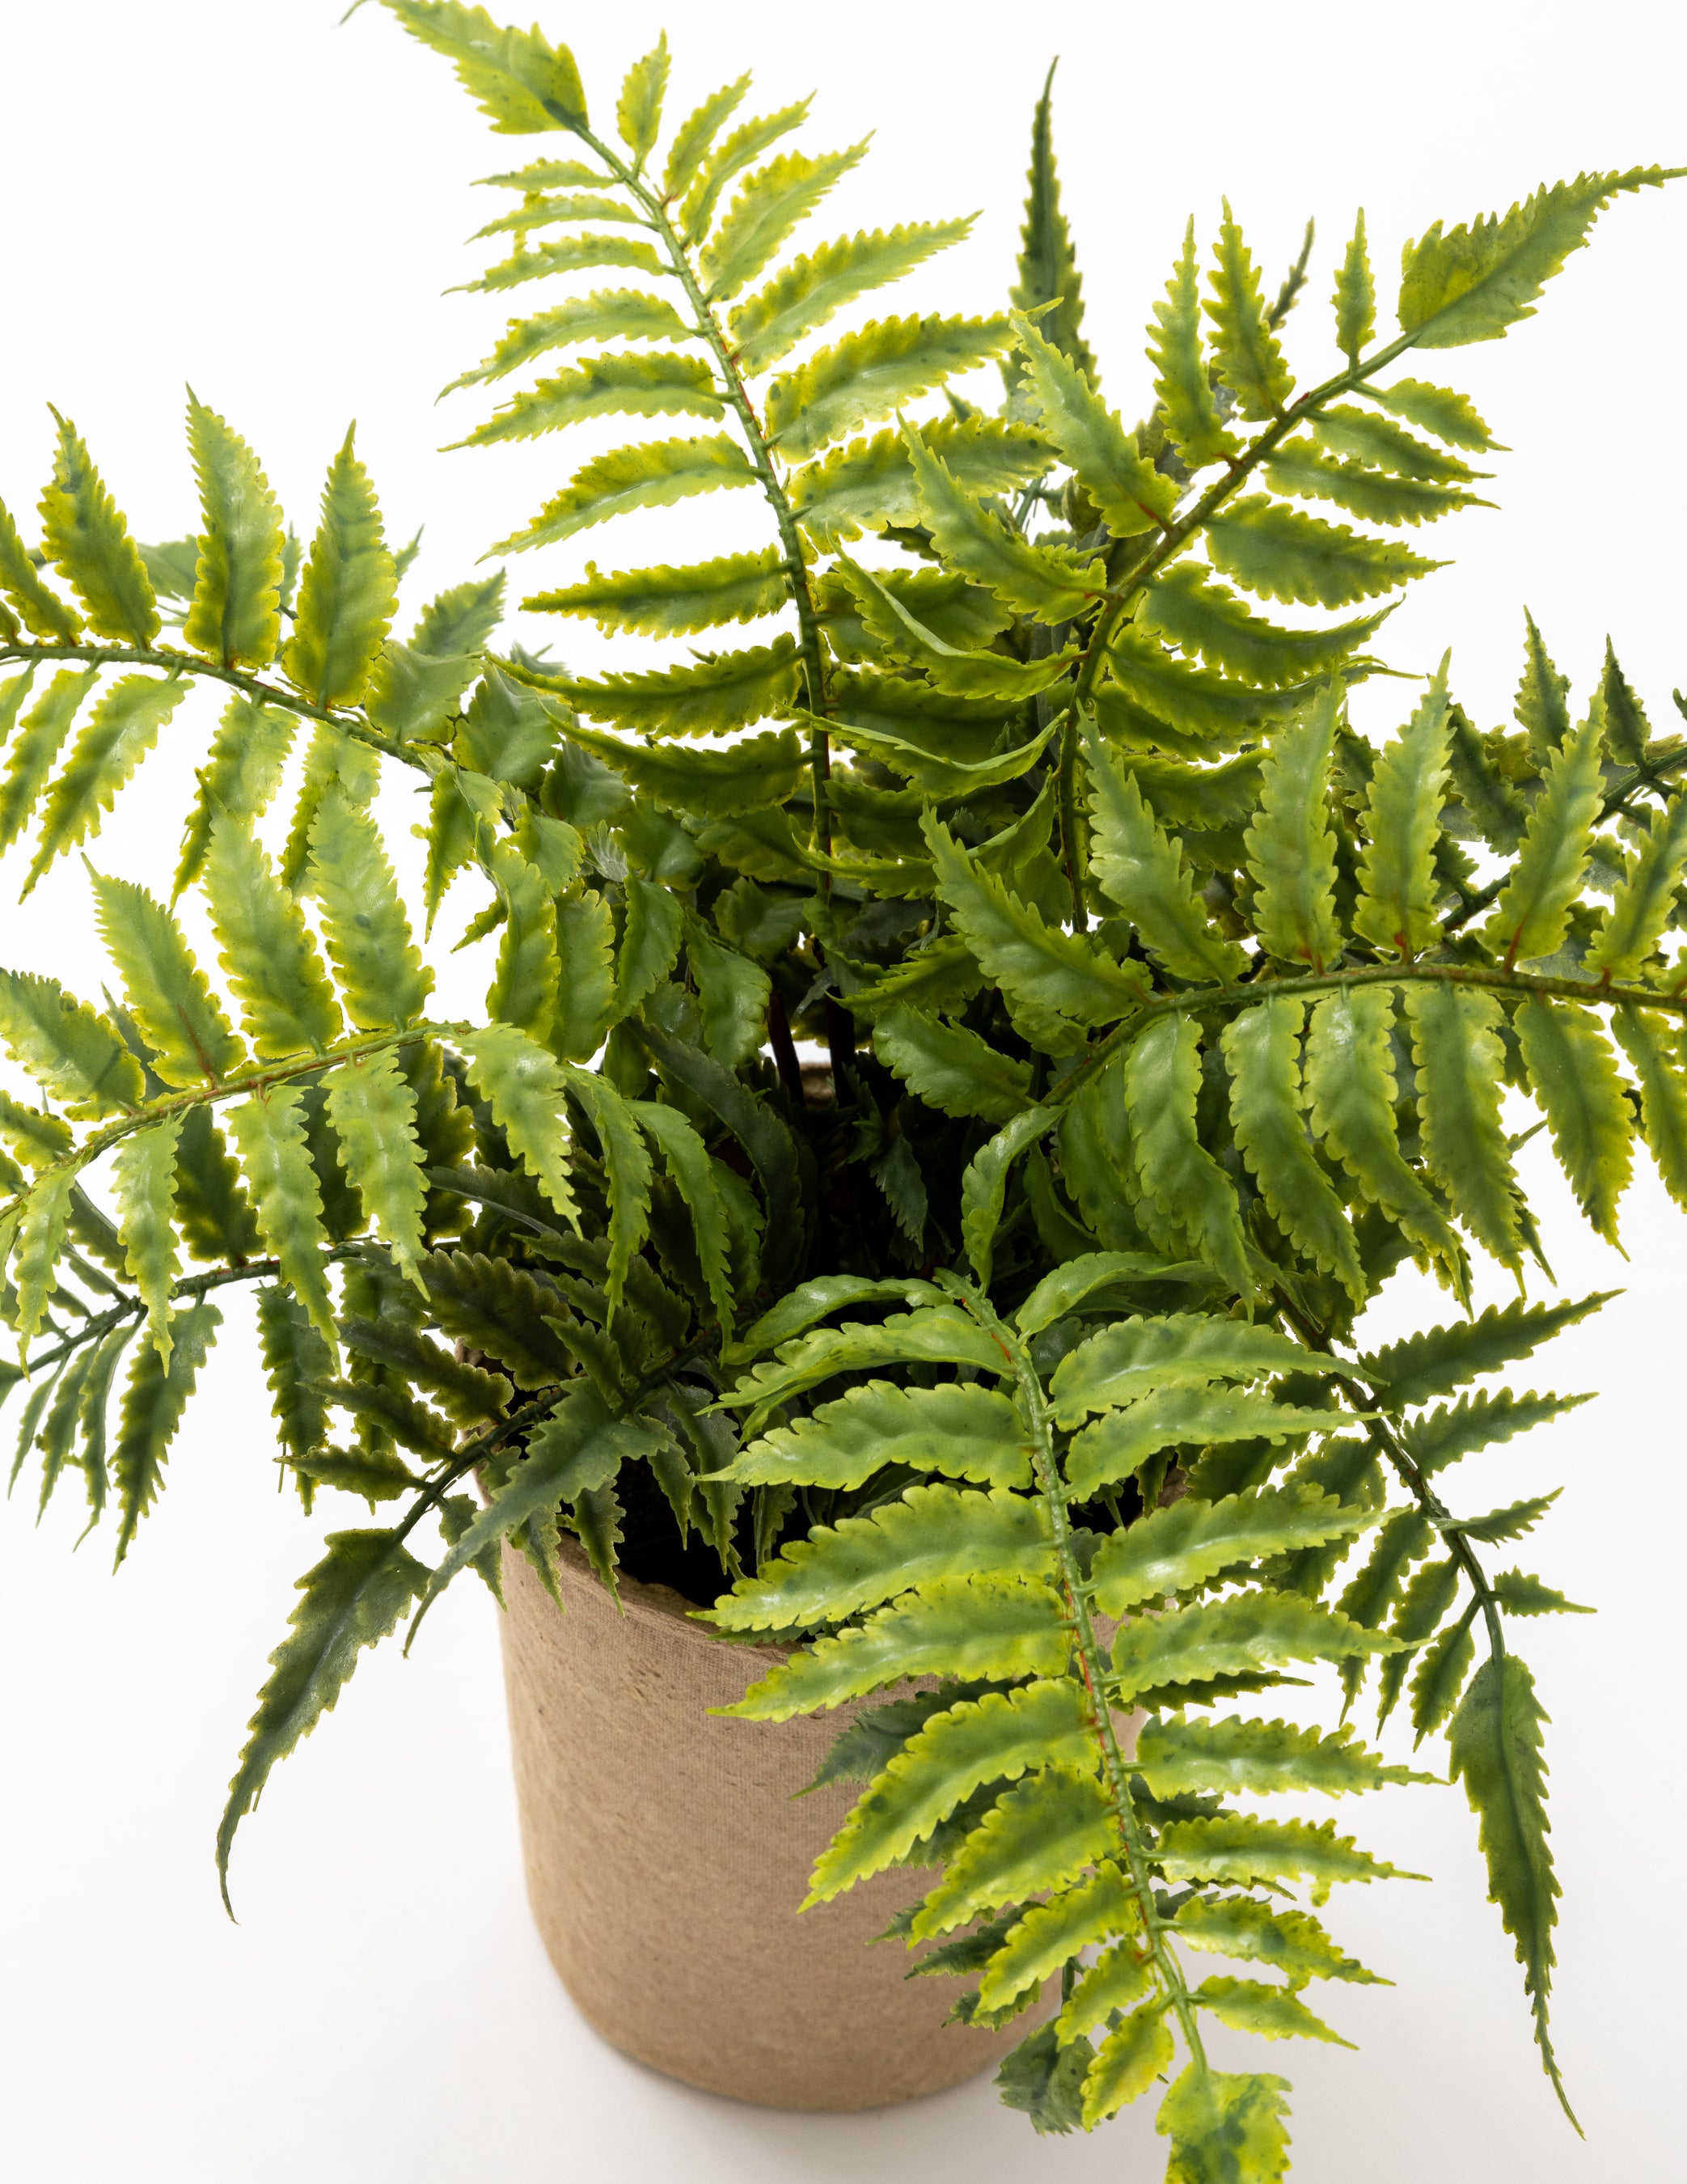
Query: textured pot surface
{"points": [[666, 1860]]}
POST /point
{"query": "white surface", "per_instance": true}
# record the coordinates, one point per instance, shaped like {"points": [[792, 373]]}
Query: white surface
{"points": [[242, 195]]}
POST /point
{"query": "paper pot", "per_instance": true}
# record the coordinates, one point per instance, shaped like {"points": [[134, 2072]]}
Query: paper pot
{"points": [[665, 1859]]}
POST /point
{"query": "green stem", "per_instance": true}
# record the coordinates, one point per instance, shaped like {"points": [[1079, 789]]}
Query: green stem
{"points": [[1069, 834], [231, 1088], [709, 330], [1094, 1667], [267, 694]]}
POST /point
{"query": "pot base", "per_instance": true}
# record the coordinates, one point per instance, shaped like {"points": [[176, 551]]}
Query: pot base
{"points": [[666, 1860]]}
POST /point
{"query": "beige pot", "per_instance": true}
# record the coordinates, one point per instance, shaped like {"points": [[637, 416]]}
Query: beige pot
{"points": [[666, 1860]]}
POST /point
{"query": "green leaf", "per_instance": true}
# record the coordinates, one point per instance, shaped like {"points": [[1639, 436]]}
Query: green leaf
{"points": [[932, 1334], [983, 1186], [745, 145], [491, 1305], [1495, 1746], [1471, 283], [1244, 349], [1283, 553], [1043, 971], [1051, 1933], [1135, 2052], [606, 314], [414, 697], [1262, 1050], [638, 111], [373, 1111], [1663, 1094], [728, 691], [948, 1067], [688, 1164], [38, 743], [268, 1131], [1519, 1594], [650, 941], [167, 992], [1144, 1356], [1132, 1433], [295, 1363], [114, 739], [235, 615], [1397, 880], [1179, 1757], [383, 978], [348, 591], [240, 775], [355, 1596], [1175, 1172], [1119, 1978], [521, 84], [664, 602], [1350, 1074], [523, 1087], [1144, 871], [1533, 914], [961, 1430], [732, 996], [1047, 268], [1253, 2006], [932, 1534], [77, 1055], [40, 1235], [45, 614], [887, 623], [1355, 298], [662, 385], [144, 1176], [1046, 582], [1438, 1359], [1181, 383], [873, 482], [1131, 494], [523, 990], [627, 1164], [813, 289], [1045, 2080], [1039, 1836], [1225, 2128], [1644, 902], [1291, 847], [1248, 1631], [266, 951], [872, 372], [154, 1399], [1573, 1075], [1362, 491], [776, 198], [1450, 416], [1292, 1943], [1176, 1548], [1000, 1628], [1461, 1064], [1243, 1852], [1442, 1667], [586, 976], [1374, 442], [695, 136], [1187, 606], [1154, 697], [653, 474], [85, 535]]}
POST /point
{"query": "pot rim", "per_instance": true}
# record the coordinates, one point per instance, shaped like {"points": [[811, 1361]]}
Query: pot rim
{"points": [[658, 1604]]}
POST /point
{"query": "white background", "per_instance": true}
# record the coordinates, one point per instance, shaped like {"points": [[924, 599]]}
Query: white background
{"points": [[250, 198]]}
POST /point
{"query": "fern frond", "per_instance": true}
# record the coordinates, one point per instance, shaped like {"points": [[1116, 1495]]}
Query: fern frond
{"points": [[1457, 1048], [871, 373], [1188, 606], [998, 1628], [266, 951], [1181, 383], [1245, 350], [1048, 583], [155, 1398], [1284, 554], [1397, 881], [1533, 913], [1663, 1096], [143, 1176], [1174, 1549], [666, 602], [1246, 1853], [373, 1111], [1450, 416], [383, 978], [741, 149], [1438, 1359], [1261, 1047], [961, 1431], [1644, 902], [1237, 1636], [1355, 298], [1175, 1172], [815, 289], [523, 1087], [606, 314], [1291, 846], [240, 775], [168, 995], [1051, 1933], [1470, 283], [776, 199], [38, 743], [1141, 1357], [1573, 1074], [521, 83], [652, 474], [1131, 495], [730, 691], [1039, 1836], [235, 615], [348, 593], [638, 110], [1145, 873], [657, 385], [86, 537], [869, 483], [114, 739], [45, 615], [268, 1130]]}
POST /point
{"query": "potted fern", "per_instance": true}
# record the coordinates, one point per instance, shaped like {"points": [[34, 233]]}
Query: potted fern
{"points": [[997, 1379]]}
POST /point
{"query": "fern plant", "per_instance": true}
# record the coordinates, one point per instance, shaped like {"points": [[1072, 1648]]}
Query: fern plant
{"points": [[1190, 1017]]}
